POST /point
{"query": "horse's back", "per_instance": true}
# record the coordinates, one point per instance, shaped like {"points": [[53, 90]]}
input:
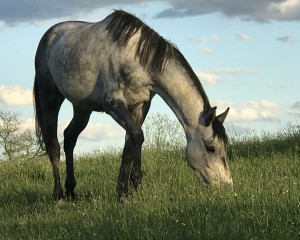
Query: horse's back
{"points": [[89, 68], [71, 34], [71, 52]]}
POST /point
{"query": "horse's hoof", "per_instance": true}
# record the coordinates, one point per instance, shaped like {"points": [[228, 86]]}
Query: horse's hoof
{"points": [[58, 195], [136, 180], [135, 183], [122, 197], [70, 195]]}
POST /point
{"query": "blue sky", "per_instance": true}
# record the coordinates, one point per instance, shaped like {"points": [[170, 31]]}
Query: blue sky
{"points": [[246, 54]]}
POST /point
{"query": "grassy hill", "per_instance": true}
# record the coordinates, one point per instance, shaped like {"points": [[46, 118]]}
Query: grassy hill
{"points": [[171, 204]]}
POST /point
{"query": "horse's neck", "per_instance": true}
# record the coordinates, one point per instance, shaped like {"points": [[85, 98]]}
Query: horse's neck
{"points": [[179, 91]]}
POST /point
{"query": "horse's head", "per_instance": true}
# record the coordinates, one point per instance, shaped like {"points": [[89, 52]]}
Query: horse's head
{"points": [[207, 150]]}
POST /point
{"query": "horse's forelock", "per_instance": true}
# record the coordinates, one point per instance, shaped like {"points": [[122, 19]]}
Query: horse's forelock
{"points": [[219, 131]]}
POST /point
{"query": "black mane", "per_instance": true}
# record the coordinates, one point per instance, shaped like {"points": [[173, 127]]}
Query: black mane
{"points": [[152, 49], [154, 52]]}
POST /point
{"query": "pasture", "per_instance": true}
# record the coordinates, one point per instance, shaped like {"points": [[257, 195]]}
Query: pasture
{"points": [[171, 203]]}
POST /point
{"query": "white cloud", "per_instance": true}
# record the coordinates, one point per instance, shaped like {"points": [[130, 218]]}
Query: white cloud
{"points": [[207, 77], [207, 50], [219, 74], [200, 39], [284, 6], [98, 131], [15, 95], [250, 111], [204, 39], [95, 132], [263, 104], [295, 109], [214, 38], [243, 37], [232, 70]]}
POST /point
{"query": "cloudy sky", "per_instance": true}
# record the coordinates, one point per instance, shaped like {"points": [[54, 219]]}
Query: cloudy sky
{"points": [[246, 54]]}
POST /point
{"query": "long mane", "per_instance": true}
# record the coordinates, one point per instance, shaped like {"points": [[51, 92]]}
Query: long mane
{"points": [[152, 49], [154, 52]]}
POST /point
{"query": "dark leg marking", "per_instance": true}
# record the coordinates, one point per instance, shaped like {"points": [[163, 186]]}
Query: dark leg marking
{"points": [[71, 133], [131, 121], [125, 118], [51, 141]]}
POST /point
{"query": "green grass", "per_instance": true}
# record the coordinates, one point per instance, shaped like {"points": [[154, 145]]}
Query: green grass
{"points": [[171, 204]]}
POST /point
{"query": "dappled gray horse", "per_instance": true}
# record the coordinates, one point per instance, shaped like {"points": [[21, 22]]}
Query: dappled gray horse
{"points": [[116, 66]]}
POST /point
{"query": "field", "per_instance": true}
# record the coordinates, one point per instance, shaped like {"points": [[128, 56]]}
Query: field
{"points": [[171, 204]]}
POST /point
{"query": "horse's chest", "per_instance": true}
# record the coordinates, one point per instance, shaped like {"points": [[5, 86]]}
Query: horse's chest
{"points": [[134, 96], [128, 83]]}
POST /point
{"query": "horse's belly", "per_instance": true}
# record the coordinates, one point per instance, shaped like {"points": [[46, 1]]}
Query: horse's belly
{"points": [[84, 93]]}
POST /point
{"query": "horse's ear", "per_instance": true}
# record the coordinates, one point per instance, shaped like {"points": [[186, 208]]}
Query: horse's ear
{"points": [[223, 115], [210, 116]]}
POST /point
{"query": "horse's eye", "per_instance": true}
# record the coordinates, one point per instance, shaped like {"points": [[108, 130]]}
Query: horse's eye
{"points": [[210, 149]]}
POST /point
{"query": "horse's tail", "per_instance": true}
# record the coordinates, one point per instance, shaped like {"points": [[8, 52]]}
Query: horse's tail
{"points": [[39, 117]]}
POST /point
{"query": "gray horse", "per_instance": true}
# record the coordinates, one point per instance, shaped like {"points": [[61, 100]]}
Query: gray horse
{"points": [[116, 66]]}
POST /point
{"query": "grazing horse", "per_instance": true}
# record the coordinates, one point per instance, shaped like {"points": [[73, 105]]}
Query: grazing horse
{"points": [[116, 66]]}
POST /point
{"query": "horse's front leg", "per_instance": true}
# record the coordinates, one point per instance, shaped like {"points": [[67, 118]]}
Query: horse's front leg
{"points": [[136, 175], [132, 148], [125, 169], [136, 170], [130, 166]]}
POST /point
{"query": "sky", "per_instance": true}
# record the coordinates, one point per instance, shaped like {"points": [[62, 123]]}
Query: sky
{"points": [[245, 53]]}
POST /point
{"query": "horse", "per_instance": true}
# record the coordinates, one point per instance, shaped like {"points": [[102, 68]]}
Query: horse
{"points": [[117, 66]]}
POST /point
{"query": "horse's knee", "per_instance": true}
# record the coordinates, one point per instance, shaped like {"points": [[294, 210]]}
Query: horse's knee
{"points": [[69, 141], [137, 137]]}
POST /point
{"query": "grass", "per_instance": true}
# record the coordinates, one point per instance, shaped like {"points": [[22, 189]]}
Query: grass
{"points": [[171, 204]]}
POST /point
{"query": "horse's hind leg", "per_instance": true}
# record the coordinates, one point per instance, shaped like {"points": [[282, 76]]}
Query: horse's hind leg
{"points": [[51, 105], [53, 151], [47, 101], [71, 133]]}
